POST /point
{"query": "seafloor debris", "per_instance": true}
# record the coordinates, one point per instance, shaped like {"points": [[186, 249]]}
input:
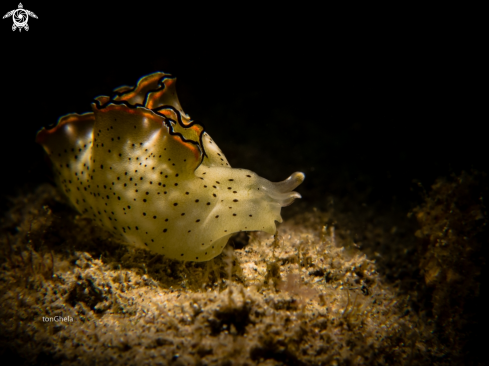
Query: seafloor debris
{"points": [[72, 294]]}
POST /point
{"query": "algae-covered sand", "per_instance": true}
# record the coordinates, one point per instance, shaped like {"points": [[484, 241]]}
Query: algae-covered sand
{"points": [[309, 295]]}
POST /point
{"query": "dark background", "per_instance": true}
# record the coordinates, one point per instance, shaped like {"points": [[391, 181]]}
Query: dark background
{"points": [[361, 102], [366, 102]]}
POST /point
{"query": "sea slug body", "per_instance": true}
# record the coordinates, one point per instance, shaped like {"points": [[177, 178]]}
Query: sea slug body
{"points": [[138, 166]]}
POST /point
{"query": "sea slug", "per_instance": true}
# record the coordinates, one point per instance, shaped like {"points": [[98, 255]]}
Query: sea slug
{"points": [[141, 168]]}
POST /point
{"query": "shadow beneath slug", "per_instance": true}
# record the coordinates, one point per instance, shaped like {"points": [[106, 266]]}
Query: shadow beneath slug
{"points": [[239, 240]]}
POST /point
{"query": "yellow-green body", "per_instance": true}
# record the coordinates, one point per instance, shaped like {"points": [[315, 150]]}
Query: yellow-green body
{"points": [[142, 169]]}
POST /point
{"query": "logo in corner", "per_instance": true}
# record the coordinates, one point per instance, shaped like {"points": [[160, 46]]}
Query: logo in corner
{"points": [[20, 17]]}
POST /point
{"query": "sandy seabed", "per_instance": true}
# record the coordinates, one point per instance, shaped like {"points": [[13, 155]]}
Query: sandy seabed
{"points": [[73, 295]]}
